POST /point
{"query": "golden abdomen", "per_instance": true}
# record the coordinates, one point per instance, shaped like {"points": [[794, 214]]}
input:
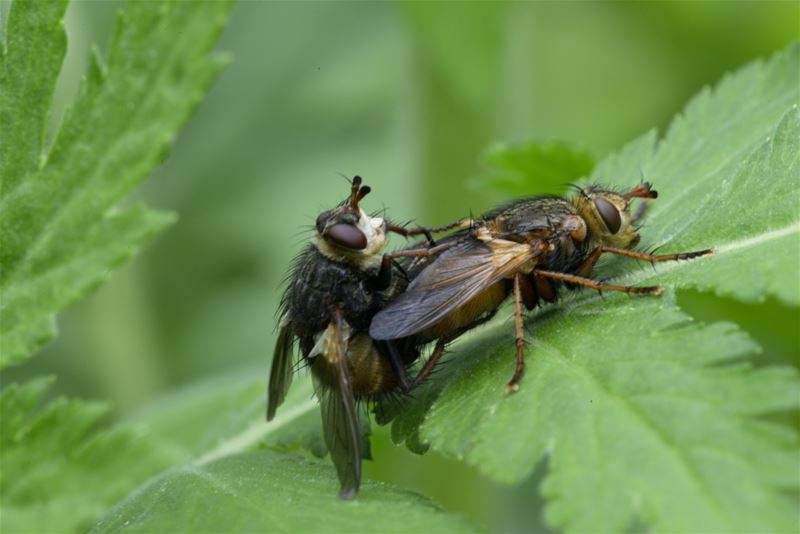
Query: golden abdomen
{"points": [[468, 313]]}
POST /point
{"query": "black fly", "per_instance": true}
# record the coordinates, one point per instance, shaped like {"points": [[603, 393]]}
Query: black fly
{"points": [[338, 283]]}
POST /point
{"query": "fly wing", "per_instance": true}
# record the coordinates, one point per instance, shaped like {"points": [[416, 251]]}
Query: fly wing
{"points": [[280, 375], [456, 276], [339, 416]]}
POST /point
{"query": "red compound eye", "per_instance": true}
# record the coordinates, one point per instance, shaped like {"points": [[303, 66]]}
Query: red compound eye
{"points": [[609, 213], [347, 236]]}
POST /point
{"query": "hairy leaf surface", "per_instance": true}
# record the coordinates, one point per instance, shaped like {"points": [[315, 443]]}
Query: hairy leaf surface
{"points": [[267, 491], [59, 226]]}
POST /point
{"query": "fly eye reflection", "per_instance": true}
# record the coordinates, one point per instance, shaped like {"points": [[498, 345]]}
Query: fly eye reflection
{"points": [[609, 213], [347, 236]]}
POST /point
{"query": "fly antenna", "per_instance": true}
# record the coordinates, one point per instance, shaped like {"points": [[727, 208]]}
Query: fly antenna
{"points": [[357, 192], [643, 190]]}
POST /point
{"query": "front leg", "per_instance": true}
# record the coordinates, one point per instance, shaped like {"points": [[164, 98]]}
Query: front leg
{"points": [[382, 280], [427, 232], [588, 265], [653, 258]]}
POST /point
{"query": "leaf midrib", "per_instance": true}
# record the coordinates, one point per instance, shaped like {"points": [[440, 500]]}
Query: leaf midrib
{"points": [[255, 433]]}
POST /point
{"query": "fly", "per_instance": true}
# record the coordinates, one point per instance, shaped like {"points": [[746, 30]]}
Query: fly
{"points": [[526, 249]]}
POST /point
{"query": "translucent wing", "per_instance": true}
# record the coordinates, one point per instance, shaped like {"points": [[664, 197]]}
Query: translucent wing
{"points": [[339, 416], [280, 375], [455, 277]]}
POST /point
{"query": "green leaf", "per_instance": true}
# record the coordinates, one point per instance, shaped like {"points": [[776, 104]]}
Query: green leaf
{"points": [[59, 226], [226, 415], [218, 483], [524, 168], [58, 472], [647, 419], [36, 38], [271, 492]]}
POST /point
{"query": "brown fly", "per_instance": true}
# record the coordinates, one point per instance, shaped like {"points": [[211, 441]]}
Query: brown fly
{"points": [[527, 249]]}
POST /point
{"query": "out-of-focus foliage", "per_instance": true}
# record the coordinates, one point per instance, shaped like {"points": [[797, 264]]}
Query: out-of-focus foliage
{"points": [[409, 96], [59, 473]]}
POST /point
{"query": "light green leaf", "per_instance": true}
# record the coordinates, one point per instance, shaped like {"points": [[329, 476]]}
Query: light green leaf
{"points": [[267, 491], [727, 174], [648, 420], [60, 230], [31, 58]]}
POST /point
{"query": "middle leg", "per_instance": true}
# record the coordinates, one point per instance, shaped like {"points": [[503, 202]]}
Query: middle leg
{"points": [[519, 336]]}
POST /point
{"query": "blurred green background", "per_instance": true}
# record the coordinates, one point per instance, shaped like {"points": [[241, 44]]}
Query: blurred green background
{"points": [[408, 95]]}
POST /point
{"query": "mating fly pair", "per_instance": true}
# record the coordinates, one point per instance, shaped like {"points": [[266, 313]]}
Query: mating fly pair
{"points": [[360, 332], [336, 286]]}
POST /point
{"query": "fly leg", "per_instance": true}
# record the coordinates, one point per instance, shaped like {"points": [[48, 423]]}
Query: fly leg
{"points": [[586, 267], [653, 258], [639, 213], [438, 351], [382, 280], [405, 232], [519, 337], [436, 355], [399, 370], [594, 284], [418, 252], [397, 366]]}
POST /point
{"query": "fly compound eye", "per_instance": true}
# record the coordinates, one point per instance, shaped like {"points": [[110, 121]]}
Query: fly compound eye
{"points": [[609, 213], [347, 236]]}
